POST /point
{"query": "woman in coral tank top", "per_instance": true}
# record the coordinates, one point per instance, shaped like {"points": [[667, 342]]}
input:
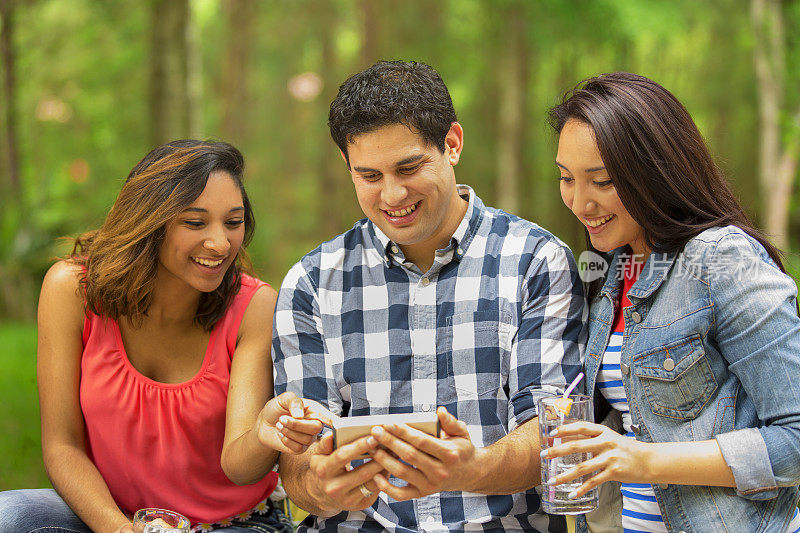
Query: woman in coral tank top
{"points": [[154, 369]]}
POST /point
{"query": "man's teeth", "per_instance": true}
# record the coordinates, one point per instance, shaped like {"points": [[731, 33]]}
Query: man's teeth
{"points": [[599, 221], [207, 262], [402, 212]]}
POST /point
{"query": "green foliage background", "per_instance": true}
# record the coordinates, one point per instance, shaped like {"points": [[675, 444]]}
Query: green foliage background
{"points": [[83, 70]]}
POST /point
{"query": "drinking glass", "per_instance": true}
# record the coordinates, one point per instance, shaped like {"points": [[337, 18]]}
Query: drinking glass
{"points": [[160, 521], [555, 412]]}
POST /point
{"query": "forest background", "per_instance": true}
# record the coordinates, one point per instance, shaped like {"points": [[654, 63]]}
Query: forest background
{"points": [[90, 86]]}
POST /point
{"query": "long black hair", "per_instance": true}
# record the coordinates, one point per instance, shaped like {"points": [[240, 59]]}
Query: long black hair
{"points": [[657, 160]]}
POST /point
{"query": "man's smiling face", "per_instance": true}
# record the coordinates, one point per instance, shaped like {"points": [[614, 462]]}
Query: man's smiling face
{"points": [[406, 186]]}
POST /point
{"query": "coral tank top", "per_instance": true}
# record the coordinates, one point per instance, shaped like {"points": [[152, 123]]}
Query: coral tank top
{"points": [[158, 444]]}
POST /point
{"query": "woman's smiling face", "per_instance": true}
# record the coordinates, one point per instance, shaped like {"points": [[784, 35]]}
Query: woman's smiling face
{"points": [[587, 190], [203, 241]]}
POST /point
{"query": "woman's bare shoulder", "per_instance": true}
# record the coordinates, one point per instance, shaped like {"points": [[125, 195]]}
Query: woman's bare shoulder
{"points": [[61, 286]]}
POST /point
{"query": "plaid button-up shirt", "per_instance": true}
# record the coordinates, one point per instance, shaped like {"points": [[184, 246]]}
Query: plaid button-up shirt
{"points": [[495, 323]]}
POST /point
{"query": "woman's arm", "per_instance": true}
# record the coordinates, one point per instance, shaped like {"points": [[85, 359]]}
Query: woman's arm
{"points": [[257, 425], [758, 333], [619, 458], [60, 346]]}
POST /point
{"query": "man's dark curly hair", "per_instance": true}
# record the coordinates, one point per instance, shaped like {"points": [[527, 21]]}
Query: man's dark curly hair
{"points": [[392, 92]]}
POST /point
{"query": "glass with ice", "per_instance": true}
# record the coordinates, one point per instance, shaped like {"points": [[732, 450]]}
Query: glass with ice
{"points": [[160, 521], [555, 412]]}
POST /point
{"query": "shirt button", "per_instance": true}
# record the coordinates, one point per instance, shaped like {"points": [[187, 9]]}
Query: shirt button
{"points": [[395, 249], [425, 282], [460, 251], [625, 369], [426, 407], [430, 519], [636, 317], [669, 364]]}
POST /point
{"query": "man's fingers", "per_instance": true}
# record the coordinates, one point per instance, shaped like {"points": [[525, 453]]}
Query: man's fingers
{"points": [[343, 489], [356, 449], [407, 443], [350, 480], [400, 494], [325, 445], [335, 463], [399, 469], [450, 424]]}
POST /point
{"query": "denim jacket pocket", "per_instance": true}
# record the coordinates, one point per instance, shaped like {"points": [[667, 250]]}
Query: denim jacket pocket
{"points": [[676, 378], [475, 344]]}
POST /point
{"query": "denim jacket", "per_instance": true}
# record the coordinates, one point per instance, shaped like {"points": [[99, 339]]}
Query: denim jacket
{"points": [[712, 351]]}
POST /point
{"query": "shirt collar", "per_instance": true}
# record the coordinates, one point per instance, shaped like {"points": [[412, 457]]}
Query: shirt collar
{"points": [[460, 240]]}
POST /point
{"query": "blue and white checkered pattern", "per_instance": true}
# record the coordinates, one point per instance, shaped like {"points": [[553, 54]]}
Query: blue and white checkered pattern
{"points": [[495, 323]]}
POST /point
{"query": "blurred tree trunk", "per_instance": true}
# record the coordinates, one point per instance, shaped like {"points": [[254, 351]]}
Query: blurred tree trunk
{"points": [[9, 101], [174, 85], [17, 285], [513, 77], [194, 78], [334, 187], [240, 16], [778, 152], [371, 29]]}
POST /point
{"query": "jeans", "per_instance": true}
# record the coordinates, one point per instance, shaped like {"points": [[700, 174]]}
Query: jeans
{"points": [[43, 511]]}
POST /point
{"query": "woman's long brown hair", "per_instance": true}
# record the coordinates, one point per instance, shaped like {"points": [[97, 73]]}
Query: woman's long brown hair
{"points": [[120, 258], [657, 160]]}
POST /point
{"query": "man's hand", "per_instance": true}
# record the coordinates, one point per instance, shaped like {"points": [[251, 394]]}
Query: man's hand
{"points": [[427, 464], [339, 486]]}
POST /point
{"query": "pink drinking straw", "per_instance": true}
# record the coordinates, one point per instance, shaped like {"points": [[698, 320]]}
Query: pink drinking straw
{"points": [[557, 441], [574, 384]]}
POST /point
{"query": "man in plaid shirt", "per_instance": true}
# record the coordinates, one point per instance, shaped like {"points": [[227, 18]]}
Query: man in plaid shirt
{"points": [[433, 301]]}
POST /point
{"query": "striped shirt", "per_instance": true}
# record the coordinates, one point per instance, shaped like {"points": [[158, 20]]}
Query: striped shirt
{"points": [[494, 324], [640, 511]]}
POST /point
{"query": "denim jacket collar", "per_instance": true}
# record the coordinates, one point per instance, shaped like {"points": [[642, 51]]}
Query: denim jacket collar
{"points": [[650, 279]]}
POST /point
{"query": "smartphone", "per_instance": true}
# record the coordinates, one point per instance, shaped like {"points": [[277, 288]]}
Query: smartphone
{"points": [[350, 428]]}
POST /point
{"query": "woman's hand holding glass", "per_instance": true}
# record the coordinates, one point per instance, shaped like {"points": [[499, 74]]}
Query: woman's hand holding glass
{"points": [[290, 424], [615, 457]]}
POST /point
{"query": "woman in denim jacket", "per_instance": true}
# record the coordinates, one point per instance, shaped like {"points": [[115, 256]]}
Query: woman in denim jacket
{"points": [[704, 366]]}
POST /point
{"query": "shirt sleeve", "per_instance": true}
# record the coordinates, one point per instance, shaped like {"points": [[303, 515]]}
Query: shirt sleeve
{"points": [[758, 333], [547, 350], [298, 346]]}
